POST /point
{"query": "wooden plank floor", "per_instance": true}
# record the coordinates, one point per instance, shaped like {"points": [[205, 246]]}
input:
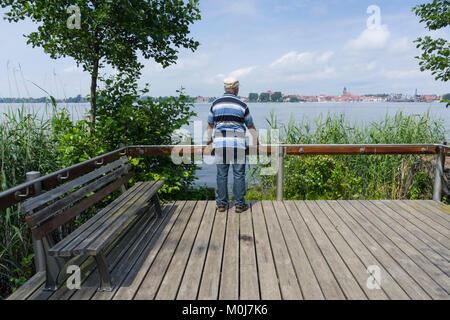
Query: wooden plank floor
{"points": [[276, 250]]}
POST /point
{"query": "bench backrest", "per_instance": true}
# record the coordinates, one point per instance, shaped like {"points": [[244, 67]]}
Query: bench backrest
{"points": [[54, 208]]}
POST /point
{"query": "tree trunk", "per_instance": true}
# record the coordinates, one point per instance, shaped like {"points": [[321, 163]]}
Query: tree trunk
{"points": [[94, 77]]}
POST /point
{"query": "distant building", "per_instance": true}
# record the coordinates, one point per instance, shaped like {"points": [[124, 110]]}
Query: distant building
{"points": [[347, 96], [202, 100]]}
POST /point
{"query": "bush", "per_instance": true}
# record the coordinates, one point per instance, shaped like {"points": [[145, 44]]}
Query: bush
{"points": [[124, 117], [319, 177]]}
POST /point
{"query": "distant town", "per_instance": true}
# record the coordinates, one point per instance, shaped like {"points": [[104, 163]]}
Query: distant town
{"points": [[272, 96], [277, 96]]}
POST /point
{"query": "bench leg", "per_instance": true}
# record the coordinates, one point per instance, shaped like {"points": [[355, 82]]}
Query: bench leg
{"points": [[155, 201], [53, 266], [103, 271]]}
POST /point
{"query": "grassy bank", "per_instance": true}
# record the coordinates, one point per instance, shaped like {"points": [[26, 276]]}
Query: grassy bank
{"points": [[349, 176], [27, 143]]}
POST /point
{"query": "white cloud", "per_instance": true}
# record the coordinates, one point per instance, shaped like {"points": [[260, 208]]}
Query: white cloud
{"points": [[215, 79], [323, 58], [300, 61], [373, 38], [400, 45], [401, 74], [302, 66], [239, 73]]}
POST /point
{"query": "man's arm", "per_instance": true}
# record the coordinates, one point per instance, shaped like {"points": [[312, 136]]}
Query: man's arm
{"points": [[209, 130], [248, 120], [252, 130]]}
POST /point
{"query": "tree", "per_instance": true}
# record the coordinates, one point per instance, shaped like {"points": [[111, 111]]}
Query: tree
{"points": [[435, 52], [125, 118], [253, 97], [104, 32], [276, 96], [264, 97], [293, 99]]}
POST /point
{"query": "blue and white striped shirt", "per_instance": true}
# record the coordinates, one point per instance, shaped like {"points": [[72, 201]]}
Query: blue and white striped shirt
{"points": [[229, 116]]}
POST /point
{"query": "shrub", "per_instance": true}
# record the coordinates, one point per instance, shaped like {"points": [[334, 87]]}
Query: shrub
{"points": [[125, 117]]}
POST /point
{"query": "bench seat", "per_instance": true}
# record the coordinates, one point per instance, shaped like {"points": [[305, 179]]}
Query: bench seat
{"points": [[50, 211], [91, 237]]}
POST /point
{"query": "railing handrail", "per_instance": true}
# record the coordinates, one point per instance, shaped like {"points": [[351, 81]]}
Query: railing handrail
{"points": [[9, 196]]}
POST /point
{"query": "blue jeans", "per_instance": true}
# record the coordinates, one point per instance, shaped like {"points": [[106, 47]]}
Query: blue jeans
{"points": [[238, 185]]}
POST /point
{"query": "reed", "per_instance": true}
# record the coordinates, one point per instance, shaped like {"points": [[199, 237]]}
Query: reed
{"points": [[27, 143]]}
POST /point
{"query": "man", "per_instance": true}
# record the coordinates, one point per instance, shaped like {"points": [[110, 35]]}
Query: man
{"points": [[229, 117]]}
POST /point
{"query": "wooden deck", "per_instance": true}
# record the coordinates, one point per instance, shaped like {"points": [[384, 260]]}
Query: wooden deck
{"points": [[276, 250]]}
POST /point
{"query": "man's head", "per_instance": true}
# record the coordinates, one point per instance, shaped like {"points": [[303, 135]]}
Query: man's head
{"points": [[231, 85]]}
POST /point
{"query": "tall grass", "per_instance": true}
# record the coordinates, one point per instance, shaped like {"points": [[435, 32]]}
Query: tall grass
{"points": [[27, 143], [350, 176]]}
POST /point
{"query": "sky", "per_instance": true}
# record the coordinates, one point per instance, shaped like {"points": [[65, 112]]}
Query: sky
{"points": [[295, 46]]}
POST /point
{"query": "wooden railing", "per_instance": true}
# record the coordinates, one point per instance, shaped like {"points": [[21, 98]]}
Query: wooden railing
{"points": [[28, 189]]}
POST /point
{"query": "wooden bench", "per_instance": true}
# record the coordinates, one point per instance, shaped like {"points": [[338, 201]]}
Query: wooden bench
{"points": [[49, 211]]}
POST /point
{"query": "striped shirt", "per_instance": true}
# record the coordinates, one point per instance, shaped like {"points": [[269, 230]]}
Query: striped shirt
{"points": [[229, 116]]}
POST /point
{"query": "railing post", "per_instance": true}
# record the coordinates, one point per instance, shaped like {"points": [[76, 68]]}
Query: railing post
{"points": [[438, 174], [38, 248], [280, 172]]}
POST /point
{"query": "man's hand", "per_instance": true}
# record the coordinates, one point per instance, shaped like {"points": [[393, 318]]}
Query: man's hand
{"points": [[252, 130], [209, 130]]}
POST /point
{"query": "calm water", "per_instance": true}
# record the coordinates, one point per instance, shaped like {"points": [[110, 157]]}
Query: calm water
{"points": [[355, 112]]}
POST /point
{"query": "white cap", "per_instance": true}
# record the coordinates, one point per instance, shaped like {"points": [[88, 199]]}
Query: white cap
{"points": [[230, 83]]}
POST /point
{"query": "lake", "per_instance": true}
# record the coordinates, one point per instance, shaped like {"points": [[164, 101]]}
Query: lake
{"points": [[359, 112]]}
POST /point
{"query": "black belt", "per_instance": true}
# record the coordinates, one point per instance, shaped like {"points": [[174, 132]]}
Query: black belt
{"points": [[229, 134]]}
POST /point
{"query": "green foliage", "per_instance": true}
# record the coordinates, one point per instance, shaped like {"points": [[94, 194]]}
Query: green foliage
{"points": [[293, 99], [124, 118], [76, 143], [264, 97], [435, 52], [110, 32], [435, 57], [27, 144], [16, 254], [253, 97], [319, 177], [421, 186], [276, 97]]}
